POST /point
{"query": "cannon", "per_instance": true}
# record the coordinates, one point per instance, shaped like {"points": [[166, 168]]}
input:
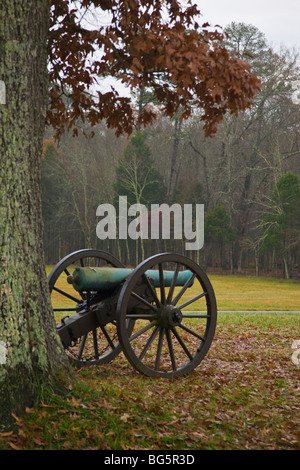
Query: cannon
{"points": [[162, 314]]}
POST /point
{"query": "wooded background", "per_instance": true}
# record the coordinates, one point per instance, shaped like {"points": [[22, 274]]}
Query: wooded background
{"points": [[246, 175]]}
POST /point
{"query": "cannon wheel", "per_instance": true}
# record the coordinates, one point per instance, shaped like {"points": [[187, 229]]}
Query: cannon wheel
{"points": [[101, 345], [174, 332]]}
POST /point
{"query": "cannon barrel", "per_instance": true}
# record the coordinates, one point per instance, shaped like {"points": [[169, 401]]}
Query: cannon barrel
{"points": [[106, 279]]}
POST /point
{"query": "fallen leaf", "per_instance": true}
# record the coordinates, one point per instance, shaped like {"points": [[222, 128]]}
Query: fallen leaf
{"points": [[125, 417]]}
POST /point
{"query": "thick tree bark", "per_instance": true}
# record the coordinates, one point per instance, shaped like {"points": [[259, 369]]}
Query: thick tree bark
{"points": [[31, 354]]}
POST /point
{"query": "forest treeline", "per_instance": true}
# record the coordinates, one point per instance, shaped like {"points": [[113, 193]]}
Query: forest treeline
{"points": [[247, 175]]}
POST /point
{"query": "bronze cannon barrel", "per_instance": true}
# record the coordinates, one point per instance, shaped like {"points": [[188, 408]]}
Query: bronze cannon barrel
{"points": [[106, 278]]}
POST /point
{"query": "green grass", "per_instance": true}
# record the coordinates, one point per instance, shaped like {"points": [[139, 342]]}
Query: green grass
{"points": [[244, 394], [256, 293]]}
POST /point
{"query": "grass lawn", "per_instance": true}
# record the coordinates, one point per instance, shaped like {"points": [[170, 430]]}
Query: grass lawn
{"points": [[236, 293], [244, 395]]}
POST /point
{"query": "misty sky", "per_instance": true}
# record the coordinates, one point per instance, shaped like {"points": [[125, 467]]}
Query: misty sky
{"points": [[279, 20]]}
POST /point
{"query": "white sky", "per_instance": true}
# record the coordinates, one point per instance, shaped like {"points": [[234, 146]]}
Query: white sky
{"points": [[279, 20]]}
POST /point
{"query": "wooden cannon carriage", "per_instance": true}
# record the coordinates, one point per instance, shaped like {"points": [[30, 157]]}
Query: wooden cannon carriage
{"points": [[162, 314]]}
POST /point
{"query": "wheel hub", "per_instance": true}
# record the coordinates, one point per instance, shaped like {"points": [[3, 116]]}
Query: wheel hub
{"points": [[170, 316]]}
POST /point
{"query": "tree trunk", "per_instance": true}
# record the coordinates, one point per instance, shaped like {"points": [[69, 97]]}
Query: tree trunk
{"points": [[31, 354], [174, 160], [286, 267]]}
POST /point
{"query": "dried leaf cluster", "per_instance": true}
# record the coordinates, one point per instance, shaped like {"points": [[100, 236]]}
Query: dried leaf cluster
{"points": [[144, 44]]}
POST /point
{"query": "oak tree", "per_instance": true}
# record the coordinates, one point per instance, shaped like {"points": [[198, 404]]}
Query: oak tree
{"points": [[142, 43], [31, 354]]}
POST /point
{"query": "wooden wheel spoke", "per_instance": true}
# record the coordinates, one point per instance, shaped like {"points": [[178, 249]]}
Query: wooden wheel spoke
{"points": [[161, 284], [159, 348], [152, 290], [81, 348], [141, 331], [71, 297], [171, 350], [182, 344], [190, 301], [144, 301], [95, 342], [103, 329], [191, 332], [149, 342], [139, 316], [173, 284], [184, 288]]}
